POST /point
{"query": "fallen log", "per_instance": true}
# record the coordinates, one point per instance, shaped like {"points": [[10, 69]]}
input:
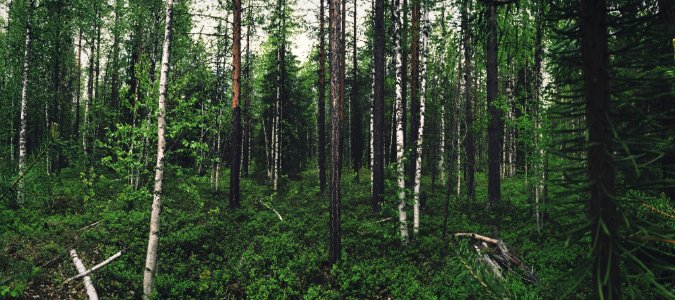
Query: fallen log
{"points": [[88, 285], [496, 255], [96, 267]]}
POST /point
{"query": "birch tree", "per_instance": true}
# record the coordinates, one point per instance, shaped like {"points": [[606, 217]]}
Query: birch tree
{"points": [[153, 240], [400, 159], [24, 105], [418, 157]]}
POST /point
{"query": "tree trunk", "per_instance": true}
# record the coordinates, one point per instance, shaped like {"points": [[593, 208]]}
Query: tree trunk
{"points": [[469, 143], [355, 109], [420, 134], [538, 165], [246, 143], [24, 107], [321, 119], [378, 108], [414, 92], [399, 123], [235, 148], [602, 206], [494, 125], [153, 240], [336, 118]]}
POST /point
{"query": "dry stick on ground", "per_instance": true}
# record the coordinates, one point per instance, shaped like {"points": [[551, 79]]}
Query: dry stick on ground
{"points": [[88, 285], [96, 267], [272, 209]]}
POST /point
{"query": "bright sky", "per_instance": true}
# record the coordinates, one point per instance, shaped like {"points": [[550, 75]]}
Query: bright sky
{"points": [[306, 13]]}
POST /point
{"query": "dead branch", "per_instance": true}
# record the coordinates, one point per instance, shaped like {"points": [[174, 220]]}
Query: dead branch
{"points": [[88, 285], [272, 209], [96, 267]]}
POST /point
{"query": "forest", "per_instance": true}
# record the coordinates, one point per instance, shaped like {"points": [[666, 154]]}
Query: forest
{"points": [[324, 149]]}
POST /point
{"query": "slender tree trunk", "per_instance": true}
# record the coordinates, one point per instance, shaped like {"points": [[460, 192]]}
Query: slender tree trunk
{"points": [[494, 125], [153, 240], [24, 107], [602, 206], [378, 108], [235, 149], [469, 143], [355, 109], [90, 94], [414, 92], [321, 120], [246, 143], [538, 166], [403, 219], [420, 136], [336, 118]]}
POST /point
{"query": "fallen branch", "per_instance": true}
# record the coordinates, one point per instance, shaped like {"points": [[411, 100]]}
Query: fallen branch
{"points": [[272, 209], [96, 267], [499, 257], [384, 220], [88, 285]]}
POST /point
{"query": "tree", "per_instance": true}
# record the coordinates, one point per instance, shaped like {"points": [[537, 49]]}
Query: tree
{"points": [[24, 105], [403, 219], [336, 126], [420, 134], [321, 118], [602, 207], [469, 143], [153, 240], [235, 149], [355, 109], [378, 108], [495, 118]]}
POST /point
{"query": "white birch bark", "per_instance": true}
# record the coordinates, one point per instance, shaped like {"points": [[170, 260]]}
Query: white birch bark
{"points": [[400, 170], [418, 159], [88, 285], [24, 108], [153, 240]]}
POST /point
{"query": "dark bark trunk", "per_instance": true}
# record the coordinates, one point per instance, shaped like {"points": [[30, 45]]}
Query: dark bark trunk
{"points": [[602, 207], [469, 143], [494, 125], [414, 91], [246, 147], [336, 122], [378, 106], [235, 148], [355, 109], [321, 120]]}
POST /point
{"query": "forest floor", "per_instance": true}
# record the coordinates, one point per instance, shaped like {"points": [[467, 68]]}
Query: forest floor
{"points": [[208, 250]]}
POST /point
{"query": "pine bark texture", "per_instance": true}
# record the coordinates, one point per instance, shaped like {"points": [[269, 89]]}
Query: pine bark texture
{"points": [[336, 122], [235, 148]]}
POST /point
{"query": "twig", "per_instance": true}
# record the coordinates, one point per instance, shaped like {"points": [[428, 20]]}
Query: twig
{"points": [[384, 220]]}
